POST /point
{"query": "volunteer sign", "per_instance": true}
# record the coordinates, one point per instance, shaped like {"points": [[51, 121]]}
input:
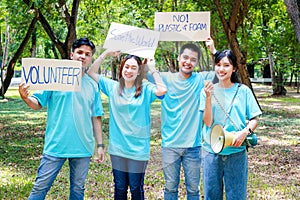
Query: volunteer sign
{"points": [[182, 26], [52, 74], [132, 40]]}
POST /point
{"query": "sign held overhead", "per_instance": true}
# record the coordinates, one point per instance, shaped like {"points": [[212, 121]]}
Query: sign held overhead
{"points": [[132, 40], [182, 26]]}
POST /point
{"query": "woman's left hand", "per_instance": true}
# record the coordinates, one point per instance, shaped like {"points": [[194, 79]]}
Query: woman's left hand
{"points": [[239, 138]]}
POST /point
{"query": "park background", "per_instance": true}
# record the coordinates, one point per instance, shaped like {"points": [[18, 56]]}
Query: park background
{"points": [[260, 32]]}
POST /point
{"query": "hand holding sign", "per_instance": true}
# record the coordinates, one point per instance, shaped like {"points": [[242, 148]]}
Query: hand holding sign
{"points": [[210, 45], [52, 74], [150, 65]]}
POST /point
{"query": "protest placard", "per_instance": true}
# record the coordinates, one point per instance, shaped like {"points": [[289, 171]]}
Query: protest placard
{"points": [[52, 74], [132, 40], [182, 26]]}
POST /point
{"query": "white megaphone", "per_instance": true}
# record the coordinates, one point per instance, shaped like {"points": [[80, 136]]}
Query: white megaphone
{"points": [[219, 138]]}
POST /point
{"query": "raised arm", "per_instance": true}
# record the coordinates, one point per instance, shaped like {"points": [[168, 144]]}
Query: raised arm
{"points": [[161, 88], [207, 114], [30, 101], [93, 70], [210, 45]]}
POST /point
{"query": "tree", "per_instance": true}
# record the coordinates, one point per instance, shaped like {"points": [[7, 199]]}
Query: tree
{"points": [[235, 19], [70, 20], [265, 29], [4, 55], [293, 8]]}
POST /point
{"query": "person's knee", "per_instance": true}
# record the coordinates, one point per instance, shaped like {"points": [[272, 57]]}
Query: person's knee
{"points": [[41, 184], [137, 192], [193, 189], [171, 187]]}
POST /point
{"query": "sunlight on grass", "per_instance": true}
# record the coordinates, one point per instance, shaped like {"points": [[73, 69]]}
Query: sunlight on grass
{"points": [[274, 171], [12, 181], [286, 100], [12, 92]]}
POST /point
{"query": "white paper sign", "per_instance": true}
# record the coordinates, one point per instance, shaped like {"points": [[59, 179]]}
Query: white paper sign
{"points": [[132, 40], [182, 26], [52, 74]]}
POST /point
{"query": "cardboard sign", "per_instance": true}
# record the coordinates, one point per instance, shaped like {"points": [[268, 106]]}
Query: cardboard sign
{"points": [[132, 40], [182, 26], [52, 74]]}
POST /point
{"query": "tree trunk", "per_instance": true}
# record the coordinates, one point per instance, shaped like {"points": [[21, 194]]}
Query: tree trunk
{"points": [[293, 9], [271, 62], [230, 25], [70, 19], [277, 81], [12, 62], [33, 44], [169, 61], [4, 58], [113, 67]]}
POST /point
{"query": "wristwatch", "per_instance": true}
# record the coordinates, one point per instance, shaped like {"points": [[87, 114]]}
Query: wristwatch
{"points": [[100, 145], [250, 131]]}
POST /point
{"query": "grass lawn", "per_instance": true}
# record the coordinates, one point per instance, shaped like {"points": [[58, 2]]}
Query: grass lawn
{"points": [[274, 165]]}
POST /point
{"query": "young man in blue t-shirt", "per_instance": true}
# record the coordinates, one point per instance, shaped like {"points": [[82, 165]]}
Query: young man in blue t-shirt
{"points": [[181, 123], [73, 122]]}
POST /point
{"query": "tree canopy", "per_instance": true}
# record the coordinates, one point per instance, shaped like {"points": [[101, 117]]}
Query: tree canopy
{"points": [[256, 30]]}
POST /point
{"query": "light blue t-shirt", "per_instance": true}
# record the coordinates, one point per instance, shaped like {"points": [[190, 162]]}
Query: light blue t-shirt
{"points": [[69, 130], [180, 117], [244, 107], [129, 122]]}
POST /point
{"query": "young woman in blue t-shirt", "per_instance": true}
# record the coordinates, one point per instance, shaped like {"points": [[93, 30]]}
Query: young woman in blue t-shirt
{"points": [[129, 123], [229, 168]]}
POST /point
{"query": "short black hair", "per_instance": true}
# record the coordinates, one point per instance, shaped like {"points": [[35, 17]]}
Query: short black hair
{"points": [[192, 47], [83, 41]]}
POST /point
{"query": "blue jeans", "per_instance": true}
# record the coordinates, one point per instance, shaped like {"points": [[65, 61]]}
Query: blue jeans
{"points": [[230, 171], [190, 158], [50, 167], [128, 173]]}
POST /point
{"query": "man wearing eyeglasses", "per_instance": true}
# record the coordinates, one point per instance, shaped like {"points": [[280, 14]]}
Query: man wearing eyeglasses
{"points": [[74, 119]]}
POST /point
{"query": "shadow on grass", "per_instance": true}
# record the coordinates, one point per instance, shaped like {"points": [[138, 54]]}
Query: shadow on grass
{"points": [[274, 171]]}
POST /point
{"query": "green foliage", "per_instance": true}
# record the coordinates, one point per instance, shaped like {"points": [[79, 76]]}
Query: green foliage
{"points": [[266, 26], [270, 30]]}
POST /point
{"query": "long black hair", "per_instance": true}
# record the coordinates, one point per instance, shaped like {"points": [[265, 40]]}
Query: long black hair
{"points": [[232, 59]]}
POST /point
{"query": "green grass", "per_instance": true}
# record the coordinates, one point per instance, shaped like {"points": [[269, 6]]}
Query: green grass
{"points": [[274, 171]]}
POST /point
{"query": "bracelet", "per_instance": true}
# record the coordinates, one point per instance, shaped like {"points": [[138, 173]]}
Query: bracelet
{"points": [[100, 145]]}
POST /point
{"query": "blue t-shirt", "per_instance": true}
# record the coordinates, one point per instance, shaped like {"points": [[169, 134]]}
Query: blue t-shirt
{"points": [[69, 130], [129, 121], [244, 107], [180, 118]]}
